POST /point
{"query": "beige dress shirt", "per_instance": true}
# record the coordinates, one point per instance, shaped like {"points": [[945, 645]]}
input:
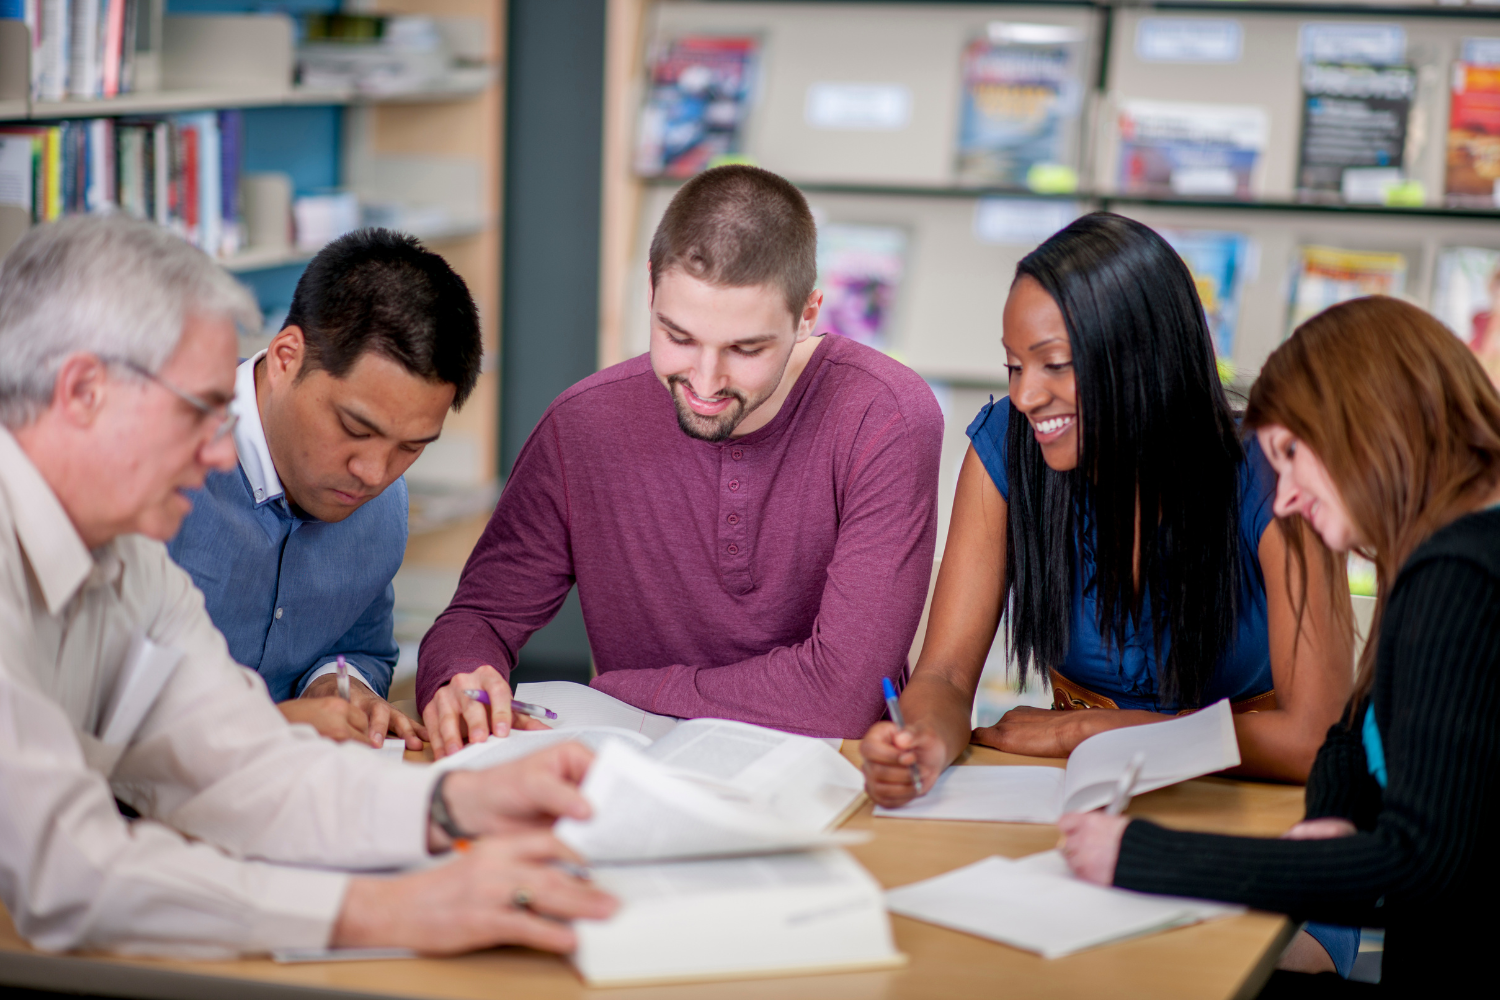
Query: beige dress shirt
{"points": [[232, 795]]}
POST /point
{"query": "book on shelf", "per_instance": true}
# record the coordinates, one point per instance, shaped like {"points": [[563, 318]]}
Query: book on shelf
{"points": [[1326, 276], [181, 171], [1184, 149], [1021, 97], [716, 837], [83, 48], [859, 272], [1466, 297], [1220, 264], [1473, 171], [697, 102], [1354, 123]]}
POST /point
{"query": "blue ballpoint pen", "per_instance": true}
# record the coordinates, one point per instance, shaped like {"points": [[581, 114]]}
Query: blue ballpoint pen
{"points": [[893, 706]]}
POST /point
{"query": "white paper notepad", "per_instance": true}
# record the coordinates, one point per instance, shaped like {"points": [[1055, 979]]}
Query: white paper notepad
{"points": [[1031, 908], [1176, 750]]}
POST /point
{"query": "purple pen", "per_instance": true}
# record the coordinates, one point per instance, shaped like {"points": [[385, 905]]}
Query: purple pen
{"points": [[523, 707]]}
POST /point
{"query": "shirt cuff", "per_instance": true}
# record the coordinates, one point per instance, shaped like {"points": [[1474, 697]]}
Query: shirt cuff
{"points": [[332, 667]]}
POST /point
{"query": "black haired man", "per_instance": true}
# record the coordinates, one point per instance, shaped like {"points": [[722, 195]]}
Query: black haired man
{"points": [[295, 549]]}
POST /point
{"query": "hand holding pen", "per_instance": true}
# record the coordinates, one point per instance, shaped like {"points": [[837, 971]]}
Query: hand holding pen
{"points": [[893, 706]]}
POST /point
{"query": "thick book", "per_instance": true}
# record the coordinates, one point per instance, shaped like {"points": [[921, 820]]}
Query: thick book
{"points": [[1473, 174], [1036, 904], [1354, 120], [1180, 149], [697, 103], [859, 273], [1021, 95], [1172, 752], [1326, 276], [1466, 296], [1220, 264], [783, 914]]}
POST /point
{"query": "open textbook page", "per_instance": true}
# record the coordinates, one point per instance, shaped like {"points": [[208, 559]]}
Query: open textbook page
{"points": [[647, 811], [1176, 750], [524, 742], [1027, 907], [801, 912], [580, 705]]}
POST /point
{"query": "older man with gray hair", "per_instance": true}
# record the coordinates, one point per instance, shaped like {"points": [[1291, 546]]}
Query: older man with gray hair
{"points": [[117, 365]]}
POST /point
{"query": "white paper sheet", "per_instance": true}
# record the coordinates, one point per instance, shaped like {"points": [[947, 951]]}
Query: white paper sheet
{"points": [[643, 812], [1053, 863], [524, 742], [1053, 916], [988, 794]]}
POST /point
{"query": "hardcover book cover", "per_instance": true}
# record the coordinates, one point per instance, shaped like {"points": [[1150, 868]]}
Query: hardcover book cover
{"points": [[696, 104], [859, 271], [1018, 101], [1179, 149], [1466, 296], [1353, 131], [1473, 178]]}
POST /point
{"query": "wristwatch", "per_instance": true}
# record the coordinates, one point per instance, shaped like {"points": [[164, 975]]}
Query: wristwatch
{"points": [[437, 812]]}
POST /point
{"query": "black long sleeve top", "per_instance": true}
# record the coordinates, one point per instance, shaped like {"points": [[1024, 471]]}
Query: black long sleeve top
{"points": [[1424, 864]]}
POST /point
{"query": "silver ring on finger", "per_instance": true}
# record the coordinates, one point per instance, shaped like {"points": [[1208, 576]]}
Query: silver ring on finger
{"points": [[521, 898]]}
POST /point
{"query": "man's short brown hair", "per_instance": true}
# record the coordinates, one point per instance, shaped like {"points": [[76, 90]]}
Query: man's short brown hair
{"points": [[737, 226]]}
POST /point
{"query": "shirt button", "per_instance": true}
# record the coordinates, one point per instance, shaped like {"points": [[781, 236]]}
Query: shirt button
{"points": [[737, 454], [733, 519], [260, 494], [734, 550], [278, 614], [734, 484]]}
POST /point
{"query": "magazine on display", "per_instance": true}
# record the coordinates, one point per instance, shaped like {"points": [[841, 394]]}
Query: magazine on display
{"points": [[1354, 120], [1021, 94], [1179, 149], [1466, 294], [1473, 175], [696, 104], [1220, 264], [859, 272], [1327, 276]]}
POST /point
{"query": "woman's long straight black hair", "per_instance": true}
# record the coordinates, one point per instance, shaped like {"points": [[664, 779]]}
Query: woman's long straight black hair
{"points": [[1157, 443]]}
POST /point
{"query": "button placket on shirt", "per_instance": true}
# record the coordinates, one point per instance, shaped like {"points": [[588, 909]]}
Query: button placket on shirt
{"points": [[734, 528]]}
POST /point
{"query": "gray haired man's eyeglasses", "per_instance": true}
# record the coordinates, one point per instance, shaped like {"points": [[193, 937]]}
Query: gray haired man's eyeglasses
{"points": [[223, 414]]}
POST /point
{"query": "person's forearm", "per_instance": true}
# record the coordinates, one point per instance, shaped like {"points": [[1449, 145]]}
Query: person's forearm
{"points": [[932, 699], [1277, 745]]}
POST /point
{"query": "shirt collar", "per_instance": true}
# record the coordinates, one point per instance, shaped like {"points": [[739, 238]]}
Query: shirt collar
{"points": [[58, 556], [250, 436]]}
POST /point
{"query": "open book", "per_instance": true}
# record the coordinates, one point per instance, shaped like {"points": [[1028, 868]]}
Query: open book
{"points": [[1037, 905], [1175, 750], [711, 765]]}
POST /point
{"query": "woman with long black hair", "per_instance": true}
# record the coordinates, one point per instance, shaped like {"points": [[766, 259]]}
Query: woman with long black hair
{"points": [[1109, 507]]}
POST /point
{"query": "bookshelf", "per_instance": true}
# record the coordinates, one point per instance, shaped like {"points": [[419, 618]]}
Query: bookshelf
{"points": [[438, 146]]}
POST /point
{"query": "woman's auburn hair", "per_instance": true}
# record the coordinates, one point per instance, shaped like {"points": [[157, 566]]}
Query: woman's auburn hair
{"points": [[1402, 416]]}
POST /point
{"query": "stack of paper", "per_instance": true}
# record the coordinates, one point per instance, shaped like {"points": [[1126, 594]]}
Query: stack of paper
{"points": [[1174, 751], [1035, 904]]}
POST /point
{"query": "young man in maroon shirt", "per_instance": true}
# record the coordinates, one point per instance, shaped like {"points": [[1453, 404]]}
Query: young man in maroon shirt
{"points": [[749, 511]]}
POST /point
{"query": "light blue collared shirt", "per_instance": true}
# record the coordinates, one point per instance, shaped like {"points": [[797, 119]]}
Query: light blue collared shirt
{"points": [[291, 593]]}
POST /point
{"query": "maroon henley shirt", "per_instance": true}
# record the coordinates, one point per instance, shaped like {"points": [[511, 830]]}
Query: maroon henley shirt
{"points": [[773, 578]]}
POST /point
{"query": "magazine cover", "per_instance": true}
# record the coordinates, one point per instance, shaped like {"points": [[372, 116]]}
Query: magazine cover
{"points": [[1466, 296], [1018, 103], [1353, 131], [1327, 276], [1474, 137], [696, 104], [1172, 149], [1218, 263], [859, 271]]}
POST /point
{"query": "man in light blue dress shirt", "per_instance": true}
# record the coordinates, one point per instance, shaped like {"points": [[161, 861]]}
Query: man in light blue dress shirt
{"points": [[296, 548]]}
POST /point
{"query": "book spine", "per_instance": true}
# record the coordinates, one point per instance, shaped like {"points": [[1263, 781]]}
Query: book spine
{"points": [[114, 35], [54, 169], [53, 31], [127, 47], [84, 38], [161, 173], [191, 203], [231, 142]]}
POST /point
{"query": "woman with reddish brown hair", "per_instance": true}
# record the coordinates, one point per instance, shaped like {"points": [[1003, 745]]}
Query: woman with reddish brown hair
{"points": [[1385, 435]]}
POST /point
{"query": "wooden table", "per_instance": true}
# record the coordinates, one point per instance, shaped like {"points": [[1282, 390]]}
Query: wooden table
{"points": [[1225, 958]]}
